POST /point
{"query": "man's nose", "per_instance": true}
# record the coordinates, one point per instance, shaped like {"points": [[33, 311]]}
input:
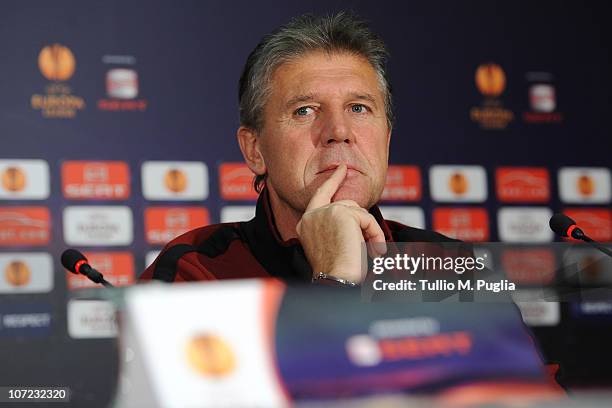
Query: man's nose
{"points": [[337, 129]]}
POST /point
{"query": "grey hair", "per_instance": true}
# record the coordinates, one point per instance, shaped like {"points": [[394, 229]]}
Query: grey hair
{"points": [[341, 32]]}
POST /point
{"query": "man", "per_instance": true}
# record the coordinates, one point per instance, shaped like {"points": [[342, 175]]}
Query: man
{"points": [[315, 126]]}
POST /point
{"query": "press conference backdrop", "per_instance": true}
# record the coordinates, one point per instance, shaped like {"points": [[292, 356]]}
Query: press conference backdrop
{"points": [[118, 120]]}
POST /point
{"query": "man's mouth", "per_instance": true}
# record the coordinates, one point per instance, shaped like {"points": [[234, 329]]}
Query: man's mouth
{"points": [[333, 167]]}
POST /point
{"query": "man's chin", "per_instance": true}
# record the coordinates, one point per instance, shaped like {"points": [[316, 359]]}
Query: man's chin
{"points": [[352, 193]]}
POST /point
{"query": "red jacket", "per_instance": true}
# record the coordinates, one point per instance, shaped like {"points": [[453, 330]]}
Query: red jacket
{"points": [[252, 249]]}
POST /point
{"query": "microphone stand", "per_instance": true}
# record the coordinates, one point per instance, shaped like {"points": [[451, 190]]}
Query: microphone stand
{"points": [[594, 244]]}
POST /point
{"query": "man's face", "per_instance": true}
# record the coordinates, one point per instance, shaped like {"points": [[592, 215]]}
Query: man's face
{"points": [[324, 110]]}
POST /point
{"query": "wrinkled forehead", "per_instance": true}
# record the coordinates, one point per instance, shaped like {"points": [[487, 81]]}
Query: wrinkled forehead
{"points": [[319, 73]]}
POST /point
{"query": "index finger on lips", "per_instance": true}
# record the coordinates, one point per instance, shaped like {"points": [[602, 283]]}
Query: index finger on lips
{"points": [[327, 190]]}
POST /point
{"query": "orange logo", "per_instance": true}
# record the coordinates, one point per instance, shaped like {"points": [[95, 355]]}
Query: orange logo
{"points": [[595, 222], [162, 224], [175, 180], [117, 268], [24, 226], [522, 184], [458, 183], [13, 179], [17, 273], [585, 185], [490, 79], [467, 224], [529, 266], [236, 181], [403, 184], [96, 180], [210, 355], [56, 62]]}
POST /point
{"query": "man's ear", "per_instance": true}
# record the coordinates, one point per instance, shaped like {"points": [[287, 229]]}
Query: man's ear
{"points": [[249, 146]]}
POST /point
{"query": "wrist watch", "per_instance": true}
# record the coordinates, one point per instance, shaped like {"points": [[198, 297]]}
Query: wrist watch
{"points": [[322, 275]]}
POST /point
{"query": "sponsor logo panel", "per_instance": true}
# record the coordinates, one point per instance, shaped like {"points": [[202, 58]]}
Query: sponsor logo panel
{"points": [[585, 185], [403, 183], [458, 183], [24, 179], [117, 268], [24, 226], [91, 319], [122, 85], [596, 310], [25, 320], [236, 182], [595, 222], [411, 216], [542, 99], [26, 272], [162, 224], [540, 313], [174, 180], [524, 224], [98, 225], [466, 224], [108, 180], [529, 266], [522, 184]]}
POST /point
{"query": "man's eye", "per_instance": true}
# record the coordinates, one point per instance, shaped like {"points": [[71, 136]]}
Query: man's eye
{"points": [[358, 108], [303, 111]]}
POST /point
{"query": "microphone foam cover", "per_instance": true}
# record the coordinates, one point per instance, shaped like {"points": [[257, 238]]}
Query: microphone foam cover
{"points": [[70, 257], [560, 223]]}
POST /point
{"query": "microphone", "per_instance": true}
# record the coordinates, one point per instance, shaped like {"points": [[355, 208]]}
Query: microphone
{"points": [[564, 226], [75, 262]]}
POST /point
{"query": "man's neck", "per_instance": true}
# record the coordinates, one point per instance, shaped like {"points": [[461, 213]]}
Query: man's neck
{"points": [[286, 218]]}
